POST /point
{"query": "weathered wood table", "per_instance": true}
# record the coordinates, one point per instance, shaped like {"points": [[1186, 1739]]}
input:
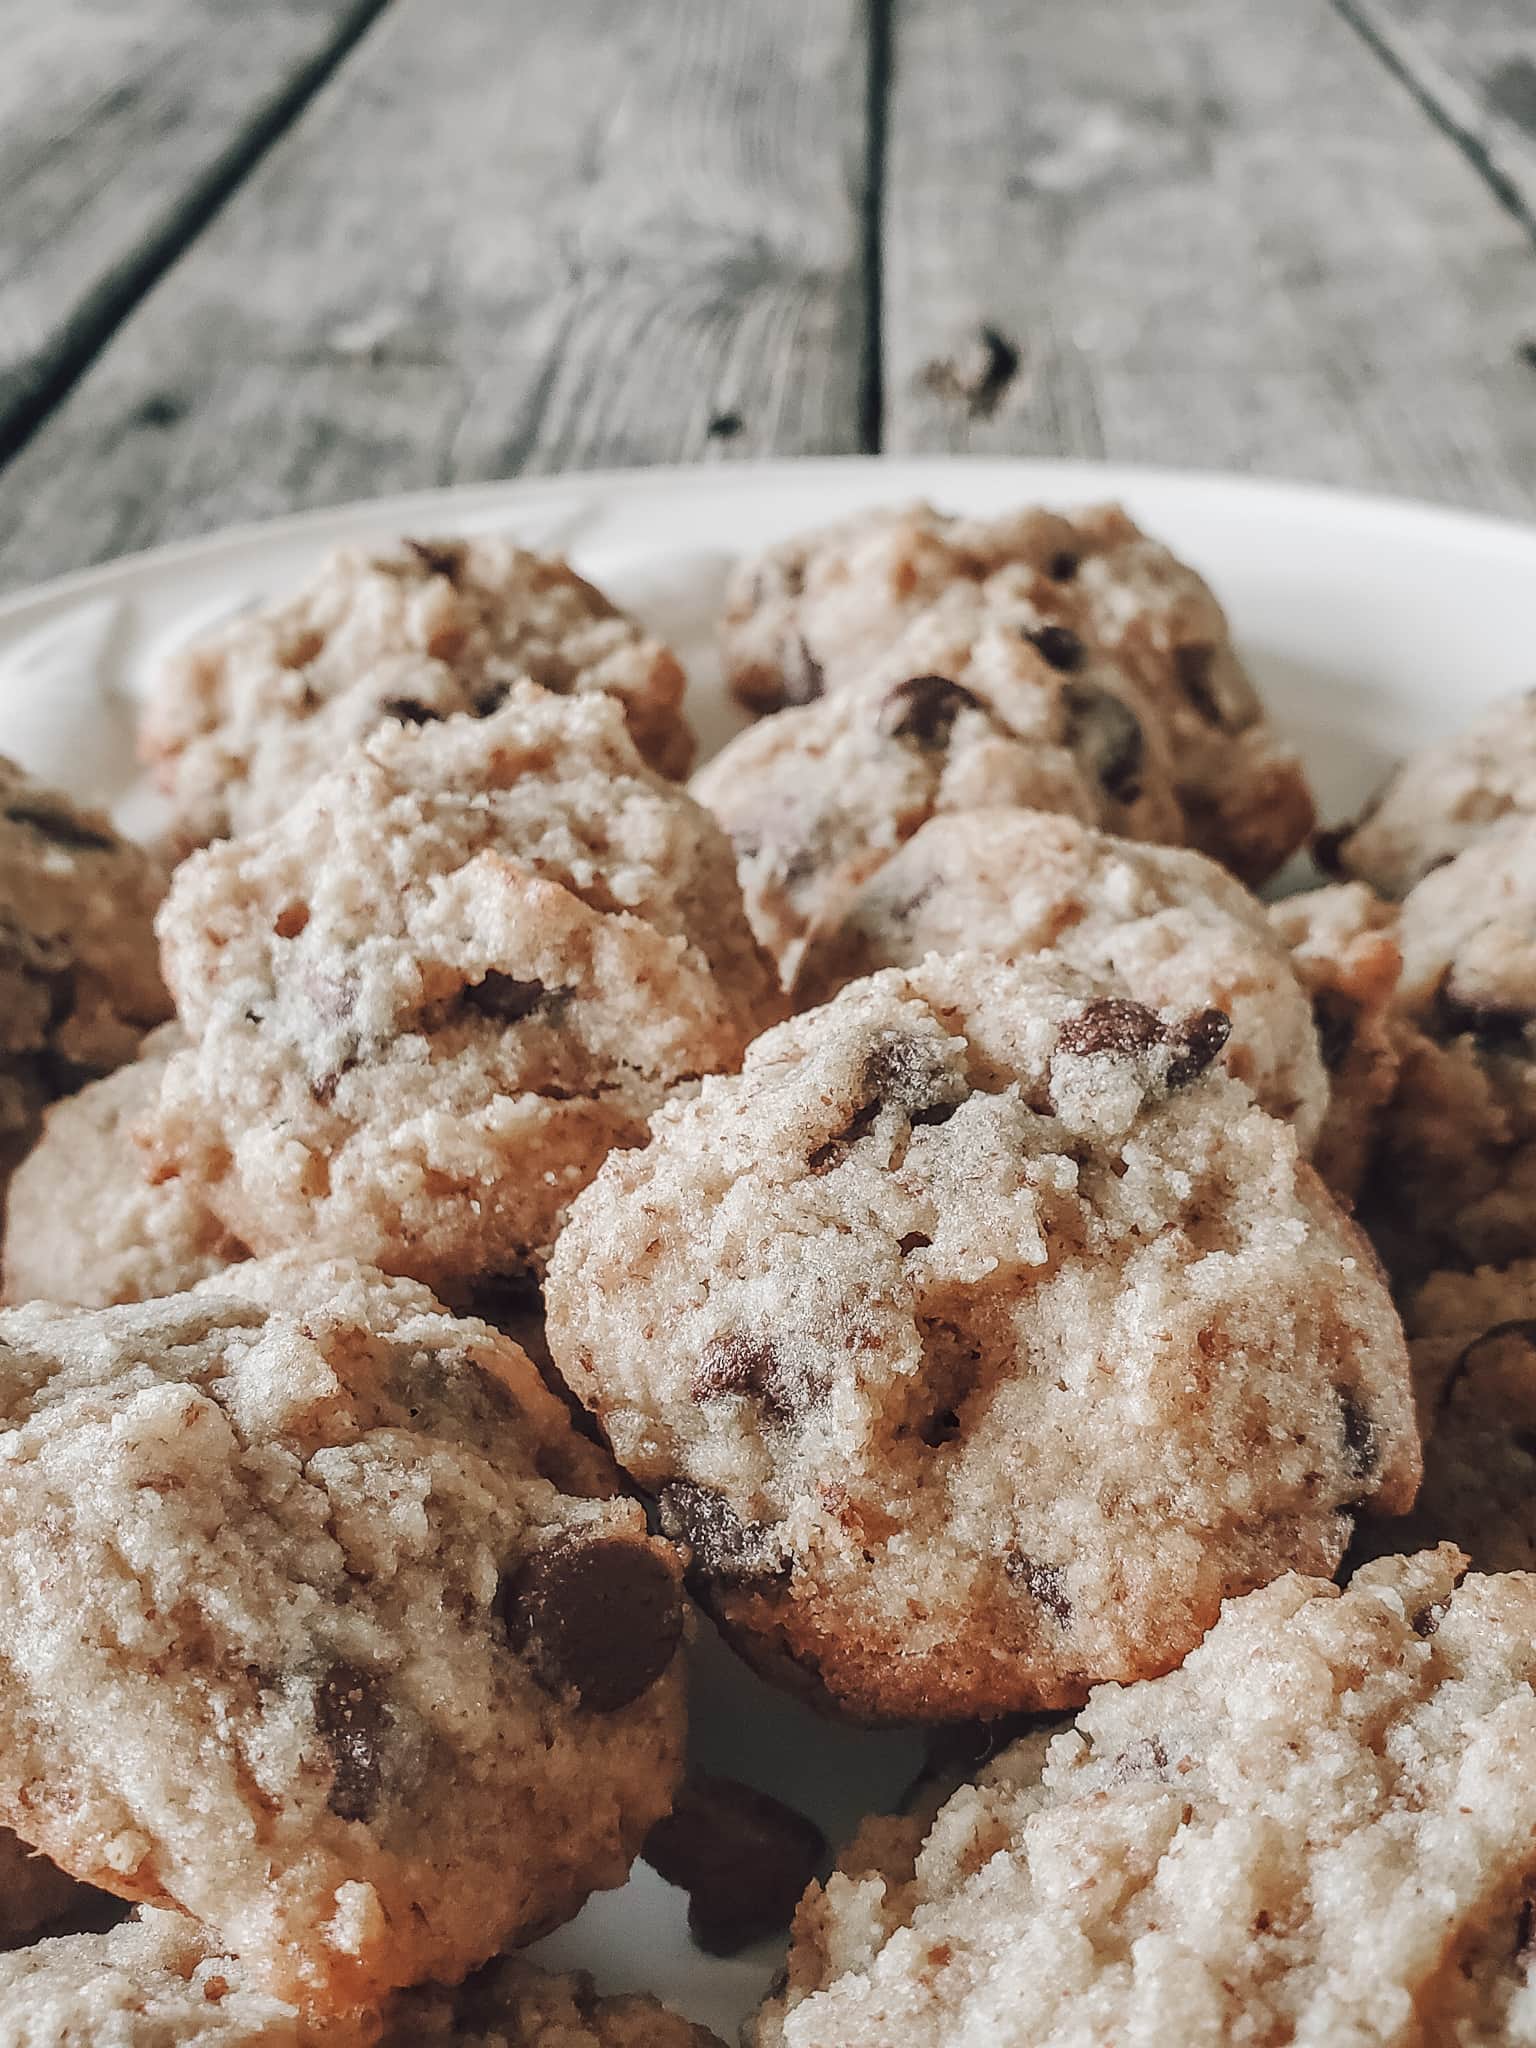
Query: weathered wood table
{"points": [[254, 258]]}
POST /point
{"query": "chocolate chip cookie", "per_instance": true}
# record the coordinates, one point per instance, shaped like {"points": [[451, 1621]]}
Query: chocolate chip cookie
{"points": [[239, 722], [808, 618], [317, 1621], [1318, 1830], [980, 1338], [816, 798], [1170, 924], [88, 1220], [514, 2004], [79, 980], [1442, 800], [426, 1003]]}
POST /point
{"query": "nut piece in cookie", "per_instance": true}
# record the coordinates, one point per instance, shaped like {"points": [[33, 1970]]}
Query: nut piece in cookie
{"points": [[272, 1641], [1174, 927], [79, 979], [426, 1003], [808, 618], [88, 1220], [1442, 800], [1191, 1860], [238, 723], [979, 1338]]}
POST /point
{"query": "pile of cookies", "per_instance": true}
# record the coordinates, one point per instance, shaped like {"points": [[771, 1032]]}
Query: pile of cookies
{"points": [[475, 1202]]}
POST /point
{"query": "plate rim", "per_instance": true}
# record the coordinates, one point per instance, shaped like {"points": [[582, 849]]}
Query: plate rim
{"points": [[1380, 510]]}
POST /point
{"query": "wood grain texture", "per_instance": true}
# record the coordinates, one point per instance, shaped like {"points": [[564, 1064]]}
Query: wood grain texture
{"points": [[1201, 232], [119, 127], [1474, 63], [503, 237]]}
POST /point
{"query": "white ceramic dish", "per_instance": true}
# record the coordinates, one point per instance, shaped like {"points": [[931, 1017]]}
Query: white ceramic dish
{"points": [[1371, 625]]}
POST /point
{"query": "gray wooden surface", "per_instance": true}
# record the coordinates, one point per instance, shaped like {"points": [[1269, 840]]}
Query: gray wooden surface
{"points": [[257, 259]]}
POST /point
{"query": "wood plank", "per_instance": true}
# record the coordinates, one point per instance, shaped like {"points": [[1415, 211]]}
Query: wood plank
{"points": [[1474, 63], [1211, 233], [120, 127], [505, 236]]}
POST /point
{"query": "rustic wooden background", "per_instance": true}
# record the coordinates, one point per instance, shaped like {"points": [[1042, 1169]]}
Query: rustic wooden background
{"points": [[259, 257]]}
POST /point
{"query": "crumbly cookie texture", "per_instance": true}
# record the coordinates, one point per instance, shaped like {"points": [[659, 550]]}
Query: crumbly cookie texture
{"points": [[1473, 1346], [79, 979], [1317, 1831], [1170, 924], [1344, 949], [807, 618], [150, 1983], [157, 1982], [88, 1220], [1453, 1179], [427, 1002], [240, 721], [1442, 800], [318, 1623], [959, 713], [980, 1338]]}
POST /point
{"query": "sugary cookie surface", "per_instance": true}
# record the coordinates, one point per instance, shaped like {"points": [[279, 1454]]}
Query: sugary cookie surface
{"points": [[426, 1003], [317, 1621], [980, 1338], [1318, 1830], [238, 722]]}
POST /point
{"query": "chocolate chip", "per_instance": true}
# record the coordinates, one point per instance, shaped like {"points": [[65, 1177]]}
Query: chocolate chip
{"points": [[600, 1615], [1042, 1581], [1061, 568], [351, 1717], [442, 557], [743, 1858], [1428, 1619], [1105, 729], [1362, 1438], [724, 1547], [915, 1075], [755, 1366], [1111, 1024], [1058, 645], [1192, 667], [60, 825], [409, 711], [914, 1241], [804, 678], [942, 1427], [503, 997], [1196, 1040], [924, 708], [1335, 1018]]}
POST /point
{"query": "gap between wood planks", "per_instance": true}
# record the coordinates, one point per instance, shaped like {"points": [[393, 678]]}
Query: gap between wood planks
{"points": [[99, 316], [876, 113]]}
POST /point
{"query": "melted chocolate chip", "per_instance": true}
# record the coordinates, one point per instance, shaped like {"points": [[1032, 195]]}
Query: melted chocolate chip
{"points": [[53, 822], [409, 711], [1362, 1437], [1335, 1018], [1192, 667], [1043, 1582], [351, 1717], [1105, 728], [724, 1547], [503, 997], [804, 677], [1112, 1024], [1196, 1041], [743, 1858], [915, 1075], [442, 557], [924, 709], [1061, 568], [1058, 645], [599, 1616], [755, 1366]]}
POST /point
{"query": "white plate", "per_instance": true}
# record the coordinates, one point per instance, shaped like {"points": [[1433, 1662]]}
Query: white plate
{"points": [[1371, 625]]}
